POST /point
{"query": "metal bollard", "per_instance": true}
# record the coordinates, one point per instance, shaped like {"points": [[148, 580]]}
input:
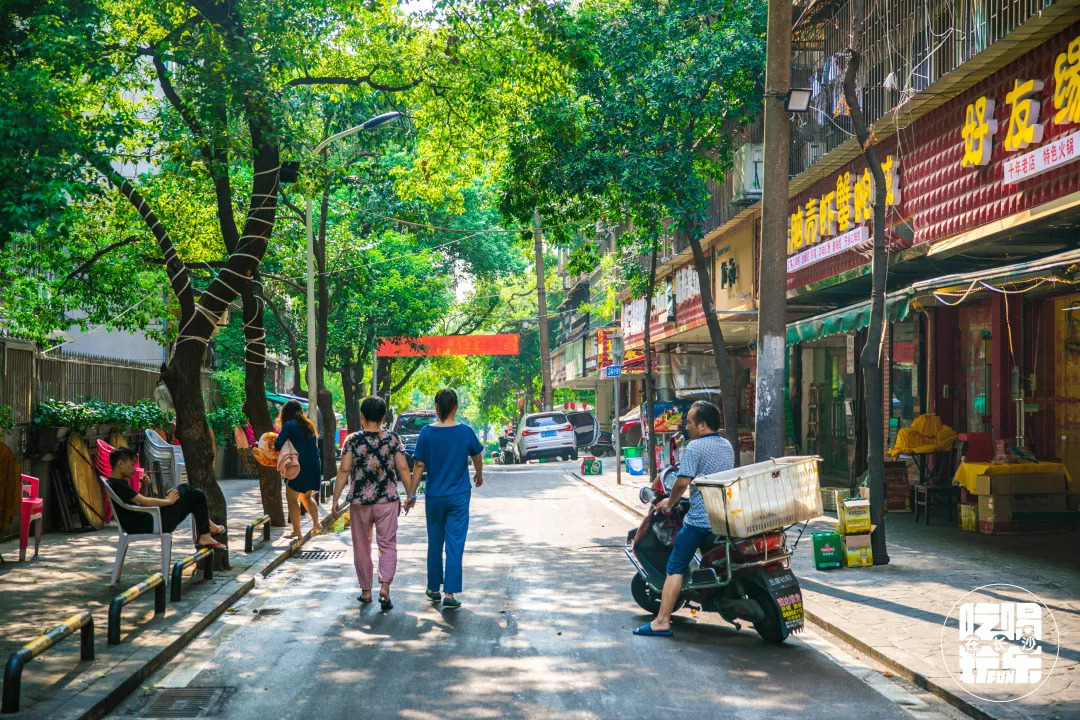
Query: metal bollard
{"points": [[81, 621], [155, 581], [249, 540], [325, 491], [178, 570]]}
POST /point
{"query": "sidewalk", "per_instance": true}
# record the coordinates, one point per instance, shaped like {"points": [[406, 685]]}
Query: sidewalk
{"points": [[72, 573], [895, 613]]}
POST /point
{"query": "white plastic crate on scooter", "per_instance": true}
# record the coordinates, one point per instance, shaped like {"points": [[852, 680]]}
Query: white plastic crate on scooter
{"points": [[770, 495]]}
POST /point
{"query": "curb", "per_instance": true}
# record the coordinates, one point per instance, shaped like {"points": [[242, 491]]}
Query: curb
{"points": [[80, 700], [903, 669]]}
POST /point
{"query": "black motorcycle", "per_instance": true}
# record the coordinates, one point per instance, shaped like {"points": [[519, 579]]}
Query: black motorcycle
{"points": [[742, 579]]}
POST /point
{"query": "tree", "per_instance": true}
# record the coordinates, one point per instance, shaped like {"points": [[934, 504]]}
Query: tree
{"points": [[871, 352]]}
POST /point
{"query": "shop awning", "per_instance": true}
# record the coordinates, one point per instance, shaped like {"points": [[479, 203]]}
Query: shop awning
{"points": [[846, 320]]}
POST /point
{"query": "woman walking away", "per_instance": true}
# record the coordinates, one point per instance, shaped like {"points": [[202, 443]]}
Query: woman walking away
{"points": [[444, 449], [295, 427], [373, 460]]}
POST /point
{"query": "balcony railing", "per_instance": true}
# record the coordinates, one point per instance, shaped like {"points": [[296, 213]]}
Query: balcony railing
{"points": [[916, 42]]}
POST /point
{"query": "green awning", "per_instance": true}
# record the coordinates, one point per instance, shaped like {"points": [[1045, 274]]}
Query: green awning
{"points": [[845, 321]]}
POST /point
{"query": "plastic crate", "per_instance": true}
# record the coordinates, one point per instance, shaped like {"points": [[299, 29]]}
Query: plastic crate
{"points": [[762, 497]]}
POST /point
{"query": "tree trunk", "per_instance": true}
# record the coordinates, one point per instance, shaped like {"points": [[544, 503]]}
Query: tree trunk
{"points": [[547, 391], [329, 457], [720, 352], [183, 377], [384, 380], [350, 386], [650, 382], [255, 406], [871, 353]]}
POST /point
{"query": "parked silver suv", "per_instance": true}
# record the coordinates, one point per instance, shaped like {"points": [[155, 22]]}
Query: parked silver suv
{"points": [[545, 435]]}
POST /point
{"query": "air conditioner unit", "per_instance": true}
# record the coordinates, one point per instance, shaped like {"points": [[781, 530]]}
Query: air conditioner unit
{"points": [[746, 174]]}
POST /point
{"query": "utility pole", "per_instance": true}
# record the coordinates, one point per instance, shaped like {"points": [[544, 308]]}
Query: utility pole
{"points": [[772, 278], [548, 393]]}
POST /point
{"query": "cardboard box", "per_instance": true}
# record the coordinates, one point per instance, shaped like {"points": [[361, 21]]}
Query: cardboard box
{"points": [[591, 466], [969, 517], [1027, 527], [828, 550], [1037, 483], [897, 495], [1001, 507], [857, 552], [854, 516]]}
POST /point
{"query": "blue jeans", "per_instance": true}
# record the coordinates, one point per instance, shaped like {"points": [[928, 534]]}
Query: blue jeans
{"points": [[687, 540], [447, 524]]}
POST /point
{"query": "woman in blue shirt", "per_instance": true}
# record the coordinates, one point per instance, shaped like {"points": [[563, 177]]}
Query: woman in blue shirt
{"points": [[444, 449], [294, 425]]}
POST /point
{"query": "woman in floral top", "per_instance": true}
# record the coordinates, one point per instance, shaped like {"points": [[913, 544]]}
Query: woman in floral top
{"points": [[372, 461]]}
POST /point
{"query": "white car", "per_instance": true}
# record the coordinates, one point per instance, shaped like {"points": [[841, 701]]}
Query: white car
{"points": [[545, 435]]}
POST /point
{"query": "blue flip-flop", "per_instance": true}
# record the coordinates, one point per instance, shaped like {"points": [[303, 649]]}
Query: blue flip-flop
{"points": [[647, 631]]}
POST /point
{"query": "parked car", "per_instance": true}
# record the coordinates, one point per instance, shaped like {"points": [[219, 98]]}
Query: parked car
{"points": [[586, 429], [407, 426], [545, 435]]}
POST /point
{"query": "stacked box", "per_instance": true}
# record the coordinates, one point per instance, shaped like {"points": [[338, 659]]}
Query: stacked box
{"points": [[1000, 496], [897, 488], [855, 527], [828, 552]]}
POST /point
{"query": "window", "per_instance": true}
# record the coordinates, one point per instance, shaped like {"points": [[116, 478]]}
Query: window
{"points": [[543, 421]]}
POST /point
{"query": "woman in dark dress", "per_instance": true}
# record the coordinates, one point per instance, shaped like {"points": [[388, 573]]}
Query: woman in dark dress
{"points": [[294, 426]]}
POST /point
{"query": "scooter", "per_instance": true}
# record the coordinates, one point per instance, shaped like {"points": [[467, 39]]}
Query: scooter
{"points": [[746, 579]]}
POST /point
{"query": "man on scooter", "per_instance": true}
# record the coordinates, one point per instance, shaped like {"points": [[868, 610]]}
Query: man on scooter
{"points": [[706, 453]]}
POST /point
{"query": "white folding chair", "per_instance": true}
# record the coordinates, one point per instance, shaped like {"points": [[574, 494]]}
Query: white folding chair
{"points": [[127, 538]]}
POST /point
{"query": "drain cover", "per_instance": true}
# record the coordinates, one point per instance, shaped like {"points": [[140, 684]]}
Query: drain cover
{"points": [[319, 554], [189, 702], [265, 612]]}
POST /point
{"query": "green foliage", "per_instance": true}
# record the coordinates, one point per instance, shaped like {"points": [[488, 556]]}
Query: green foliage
{"points": [[144, 414], [229, 411], [6, 421]]}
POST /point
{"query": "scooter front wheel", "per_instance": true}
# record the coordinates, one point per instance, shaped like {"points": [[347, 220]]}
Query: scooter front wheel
{"points": [[646, 598]]}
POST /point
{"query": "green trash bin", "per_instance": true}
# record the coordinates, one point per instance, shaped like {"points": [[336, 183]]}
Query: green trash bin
{"points": [[632, 451]]}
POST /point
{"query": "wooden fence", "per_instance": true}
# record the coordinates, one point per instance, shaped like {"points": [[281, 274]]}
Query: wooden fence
{"points": [[27, 377]]}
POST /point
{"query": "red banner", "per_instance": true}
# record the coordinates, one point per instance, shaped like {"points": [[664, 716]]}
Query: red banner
{"points": [[436, 345]]}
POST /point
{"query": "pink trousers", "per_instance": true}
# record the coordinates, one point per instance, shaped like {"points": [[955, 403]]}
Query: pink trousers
{"points": [[384, 517]]}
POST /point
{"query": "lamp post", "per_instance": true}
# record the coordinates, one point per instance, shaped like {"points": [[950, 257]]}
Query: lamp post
{"points": [[370, 124]]}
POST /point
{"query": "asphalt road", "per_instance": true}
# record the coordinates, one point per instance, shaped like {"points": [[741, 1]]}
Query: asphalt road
{"points": [[544, 632]]}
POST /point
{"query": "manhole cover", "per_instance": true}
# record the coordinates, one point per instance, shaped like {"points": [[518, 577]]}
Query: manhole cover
{"points": [[190, 702], [319, 554], [600, 548]]}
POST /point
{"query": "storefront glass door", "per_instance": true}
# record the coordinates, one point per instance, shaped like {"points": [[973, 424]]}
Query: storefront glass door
{"points": [[1067, 382]]}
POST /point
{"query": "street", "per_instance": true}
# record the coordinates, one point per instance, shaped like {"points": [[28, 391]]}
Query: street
{"points": [[544, 631]]}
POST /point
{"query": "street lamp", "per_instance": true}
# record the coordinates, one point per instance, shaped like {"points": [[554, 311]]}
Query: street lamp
{"points": [[370, 124]]}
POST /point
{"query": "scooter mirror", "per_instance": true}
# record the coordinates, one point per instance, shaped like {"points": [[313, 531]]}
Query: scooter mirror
{"points": [[646, 495]]}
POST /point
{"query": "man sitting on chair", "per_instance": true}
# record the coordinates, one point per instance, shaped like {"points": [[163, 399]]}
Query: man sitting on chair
{"points": [[177, 505]]}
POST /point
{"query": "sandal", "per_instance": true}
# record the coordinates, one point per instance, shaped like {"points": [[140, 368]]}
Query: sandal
{"points": [[452, 603], [366, 601], [433, 595], [213, 545], [385, 604]]}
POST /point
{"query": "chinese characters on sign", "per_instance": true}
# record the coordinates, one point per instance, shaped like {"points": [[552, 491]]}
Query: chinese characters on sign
{"points": [[999, 642], [1024, 128], [979, 128], [1042, 159], [838, 244], [837, 212]]}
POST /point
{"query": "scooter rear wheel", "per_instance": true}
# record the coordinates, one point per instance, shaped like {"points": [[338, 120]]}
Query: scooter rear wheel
{"points": [[646, 598], [771, 628]]}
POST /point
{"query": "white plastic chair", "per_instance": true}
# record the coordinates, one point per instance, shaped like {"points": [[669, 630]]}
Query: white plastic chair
{"points": [[126, 538], [169, 457]]}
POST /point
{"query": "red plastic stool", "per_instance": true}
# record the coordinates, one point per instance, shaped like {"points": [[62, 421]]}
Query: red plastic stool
{"points": [[31, 510]]}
